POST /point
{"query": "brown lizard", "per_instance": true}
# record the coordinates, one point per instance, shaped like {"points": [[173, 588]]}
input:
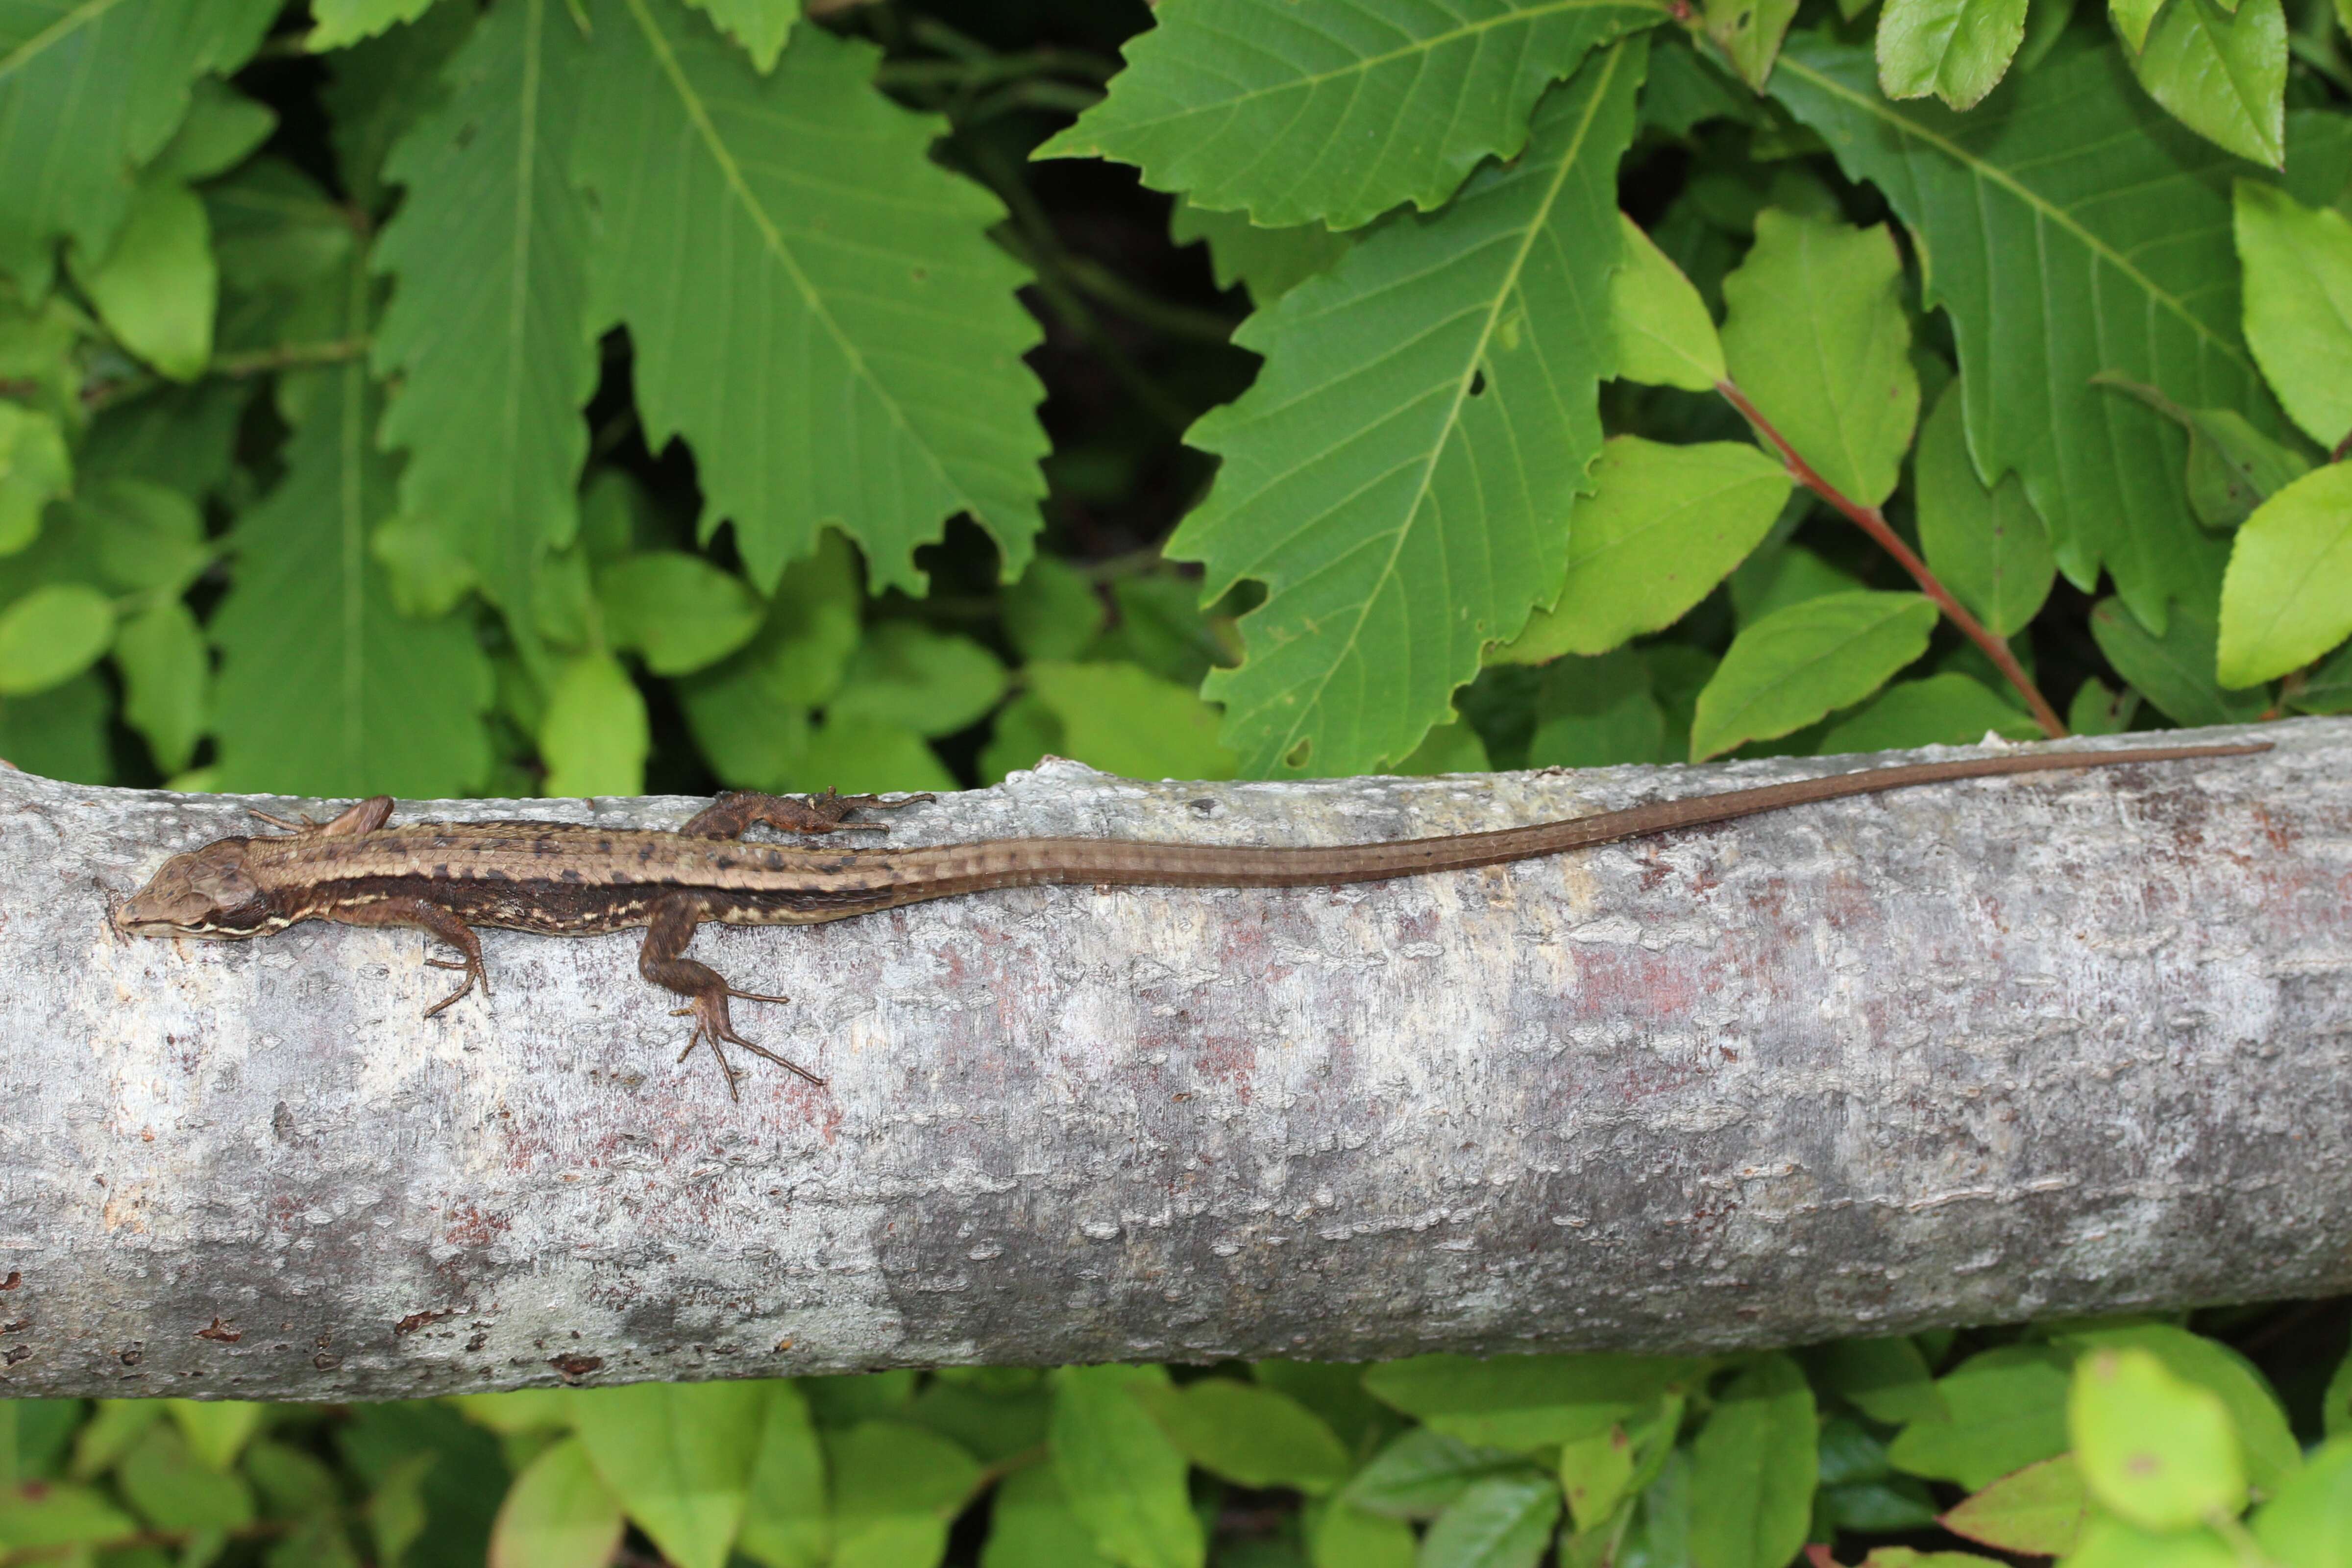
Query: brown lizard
{"points": [[564, 879]]}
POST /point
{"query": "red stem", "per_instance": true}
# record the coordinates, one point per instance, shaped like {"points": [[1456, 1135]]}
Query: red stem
{"points": [[1871, 521]]}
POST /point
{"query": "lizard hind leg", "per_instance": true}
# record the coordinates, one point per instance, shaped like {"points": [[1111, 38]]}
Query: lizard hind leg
{"points": [[662, 961], [738, 810]]}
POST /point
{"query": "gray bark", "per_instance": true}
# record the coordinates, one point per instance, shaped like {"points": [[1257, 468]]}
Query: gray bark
{"points": [[2063, 1044]]}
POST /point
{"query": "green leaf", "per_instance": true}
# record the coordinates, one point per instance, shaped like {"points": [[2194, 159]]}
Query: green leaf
{"points": [[1400, 474], [2272, 1453], [1527, 1402], [1663, 526], [1665, 336], [678, 610], [1502, 1521], [1341, 1536], [557, 1514], [157, 287], [2309, 1522], [2132, 18], [749, 713], [35, 469], [904, 673], [1252, 1437], [2175, 672], [2328, 688], [1811, 658], [223, 129], [179, 438], [1118, 1472], [2233, 467], [1749, 33], [2159, 1451], [2298, 263], [994, 1413], [52, 635], [173, 1490], [217, 1429], [895, 1488], [1753, 1467], [33, 1433], [2038, 1511], [869, 756], [1595, 1474], [2048, 281], [2109, 1543], [40, 1514], [1988, 547], [2007, 1410], [1422, 1472], [143, 537], [878, 384], [384, 703], [1052, 612], [758, 26], [1597, 712], [786, 1520], [1378, 101], [1956, 49], [68, 144], [1886, 1380], [488, 329], [345, 22], [380, 88], [1946, 709], [1030, 1525], [1815, 335], [1453, 748], [1131, 722], [2221, 75], [679, 1456], [595, 736], [293, 1481], [1268, 262]]}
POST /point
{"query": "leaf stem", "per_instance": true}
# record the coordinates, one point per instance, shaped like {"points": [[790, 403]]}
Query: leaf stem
{"points": [[1873, 522]]}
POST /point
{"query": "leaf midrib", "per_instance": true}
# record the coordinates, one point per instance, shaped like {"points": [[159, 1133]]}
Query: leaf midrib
{"points": [[67, 22], [1612, 60], [2061, 217]]}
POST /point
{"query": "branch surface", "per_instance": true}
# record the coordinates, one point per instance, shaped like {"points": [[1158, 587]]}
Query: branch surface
{"points": [[2071, 1042]]}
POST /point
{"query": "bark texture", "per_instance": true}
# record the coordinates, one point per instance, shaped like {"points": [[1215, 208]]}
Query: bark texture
{"points": [[2063, 1044]]}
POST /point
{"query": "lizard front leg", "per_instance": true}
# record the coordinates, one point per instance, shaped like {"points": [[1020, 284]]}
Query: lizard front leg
{"points": [[435, 920], [736, 811], [662, 961]]}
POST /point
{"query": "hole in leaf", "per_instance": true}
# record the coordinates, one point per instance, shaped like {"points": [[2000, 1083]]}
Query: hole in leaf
{"points": [[1297, 756], [1477, 384]]}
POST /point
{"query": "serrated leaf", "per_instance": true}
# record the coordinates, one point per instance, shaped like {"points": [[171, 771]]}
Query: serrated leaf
{"points": [[1401, 473], [2005, 1409], [557, 1514], [1664, 524], [1252, 1437], [1815, 335], [52, 635], [1128, 721], [594, 735], [2176, 671], [384, 702], [2048, 281], [1956, 49], [1430, 88], [2158, 1451], [378, 89], [89, 92], [1118, 1472], [2221, 75], [35, 469], [1988, 547], [1269, 262], [1502, 1521], [486, 328], [814, 303], [678, 1456], [759, 26], [2298, 263], [155, 286], [1753, 1468], [2285, 600], [1665, 336], [342, 23], [1946, 709], [1811, 659], [1527, 1402], [2038, 1511], [678, 610]]}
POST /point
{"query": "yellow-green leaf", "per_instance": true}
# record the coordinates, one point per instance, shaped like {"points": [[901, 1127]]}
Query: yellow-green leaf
{"points": [[2221, 75], [557, 1513], [2159, 1451], [1665, 336], [2298, 305], [594, 735], [52, 635], [157, 287]]}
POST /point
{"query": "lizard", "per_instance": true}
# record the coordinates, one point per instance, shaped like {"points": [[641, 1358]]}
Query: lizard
{"points": [[567, 880]]}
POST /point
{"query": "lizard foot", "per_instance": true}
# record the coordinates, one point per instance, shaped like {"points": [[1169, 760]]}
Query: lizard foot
{"points": [[476, 974], [712, 1026]]}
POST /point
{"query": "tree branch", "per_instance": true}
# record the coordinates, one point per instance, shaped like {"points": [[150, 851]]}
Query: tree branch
{"points": [[2066, 1044]]}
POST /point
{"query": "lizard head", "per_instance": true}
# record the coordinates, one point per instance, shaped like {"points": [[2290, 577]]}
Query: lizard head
{"points": [[204, 892]]}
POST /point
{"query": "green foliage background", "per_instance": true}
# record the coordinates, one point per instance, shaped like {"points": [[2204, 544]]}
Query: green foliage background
{"points": [[617, 395]]}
